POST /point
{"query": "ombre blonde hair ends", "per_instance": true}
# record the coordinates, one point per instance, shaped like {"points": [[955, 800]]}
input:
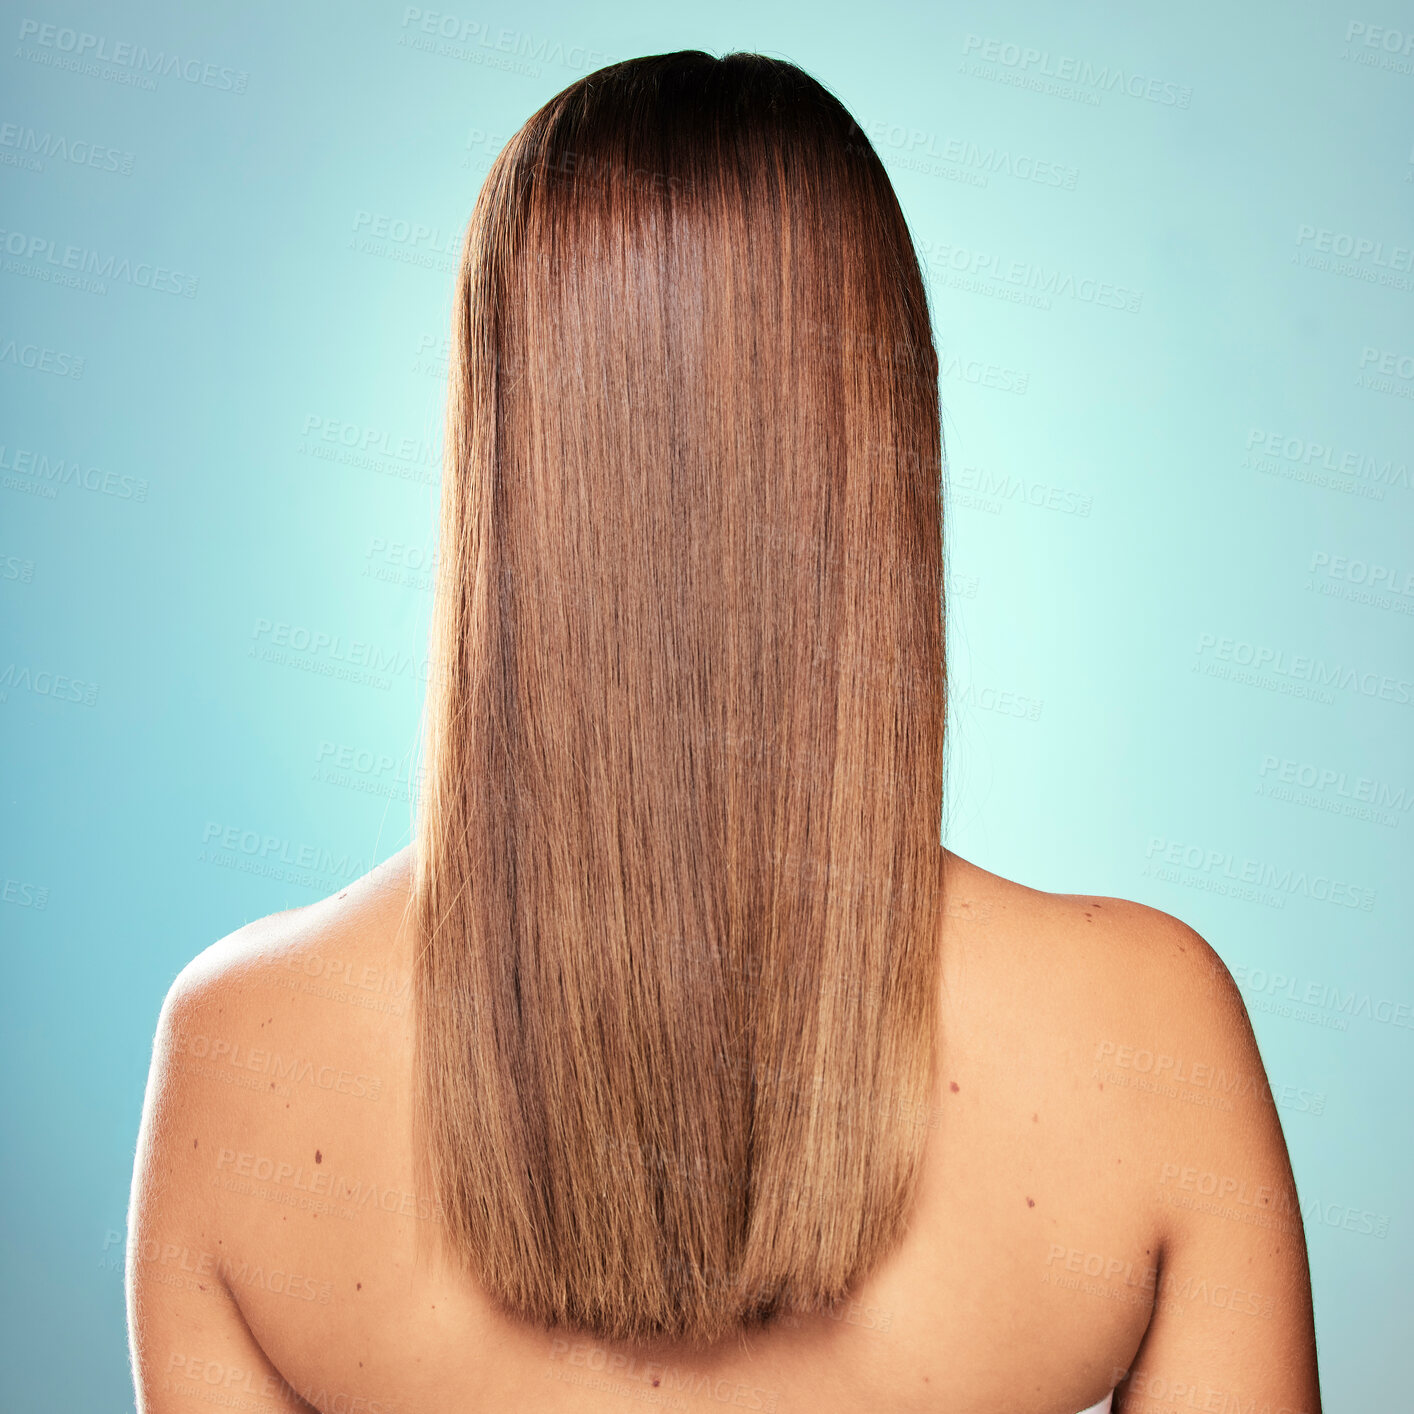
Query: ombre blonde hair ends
{"points": [[677, 850]]}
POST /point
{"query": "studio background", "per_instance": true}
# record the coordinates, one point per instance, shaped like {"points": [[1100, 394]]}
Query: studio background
{"points": [[1169, 259]]}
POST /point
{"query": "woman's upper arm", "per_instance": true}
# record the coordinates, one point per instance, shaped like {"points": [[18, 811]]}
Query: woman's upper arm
{"points": [[187, 1336], [1232, 1327]]}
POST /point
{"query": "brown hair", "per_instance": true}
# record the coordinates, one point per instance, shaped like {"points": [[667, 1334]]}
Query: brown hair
{"points": [[678, 860]]}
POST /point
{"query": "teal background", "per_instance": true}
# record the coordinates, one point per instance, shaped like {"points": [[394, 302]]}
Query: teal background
{"points": [[1221, 470]]}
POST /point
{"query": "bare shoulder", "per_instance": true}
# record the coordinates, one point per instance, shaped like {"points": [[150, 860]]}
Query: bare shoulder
{"points": [[1093, 959], [279, 1053], [1126, 1019], [1131, 1023], [351, 947], [271, 1024], [1111, 1068]]}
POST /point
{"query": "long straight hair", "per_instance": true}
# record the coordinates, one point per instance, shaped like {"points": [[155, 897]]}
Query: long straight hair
{"points": [[678, 864]]}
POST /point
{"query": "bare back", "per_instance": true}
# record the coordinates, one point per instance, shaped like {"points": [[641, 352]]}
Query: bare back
{"points": [[1106, 1190]]}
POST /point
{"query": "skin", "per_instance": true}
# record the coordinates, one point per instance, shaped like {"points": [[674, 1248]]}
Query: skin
{"points": [[1055, 1250]]}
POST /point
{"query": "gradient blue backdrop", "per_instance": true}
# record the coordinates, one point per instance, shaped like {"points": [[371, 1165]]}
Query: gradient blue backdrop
{"points": [[1170, 262]]}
